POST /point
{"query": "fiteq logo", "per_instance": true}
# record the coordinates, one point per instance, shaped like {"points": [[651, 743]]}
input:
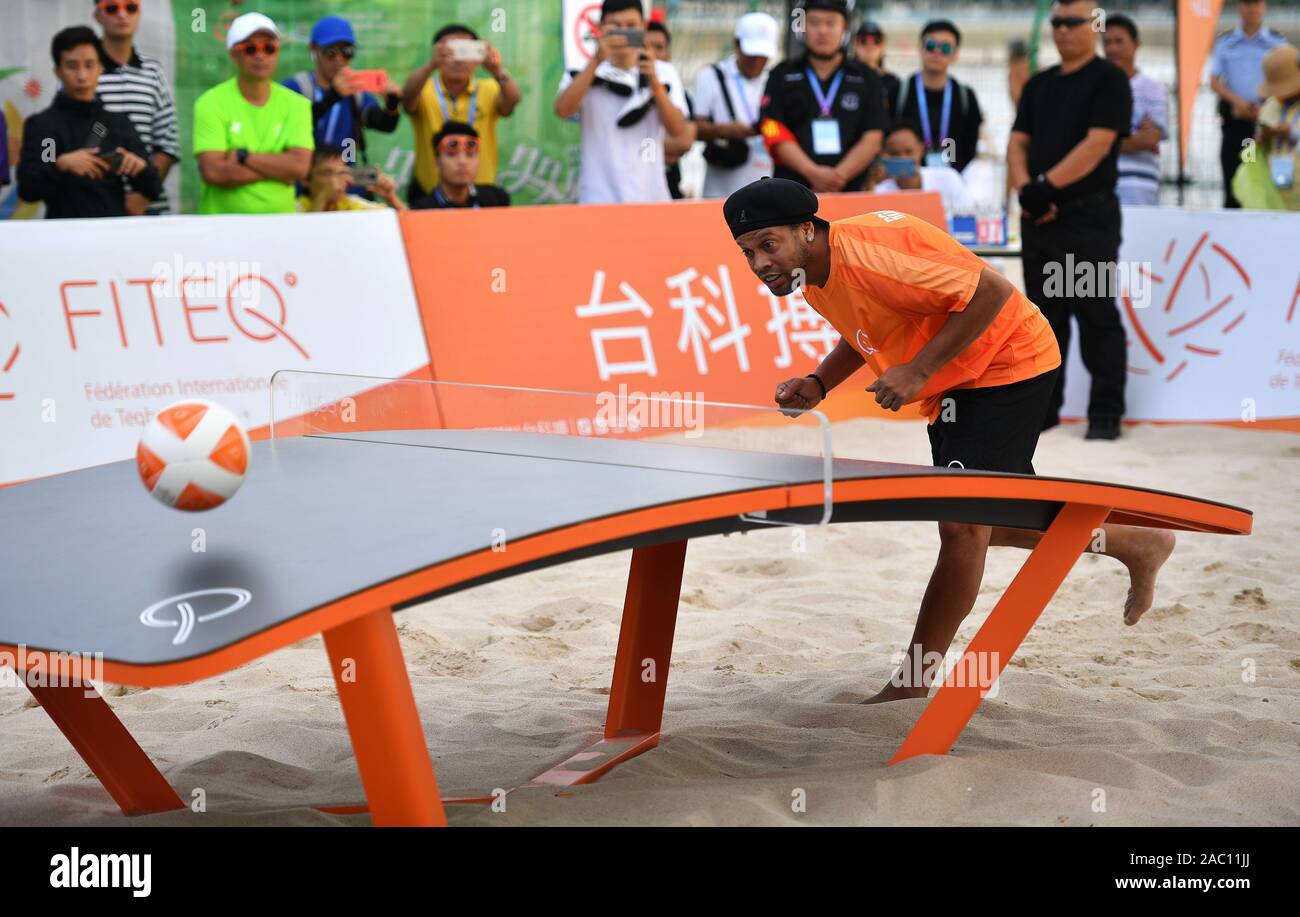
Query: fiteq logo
{"points": [[183, 611], [103, 870], [215, 302]]}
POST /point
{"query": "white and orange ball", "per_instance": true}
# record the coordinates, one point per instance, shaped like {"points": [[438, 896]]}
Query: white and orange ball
{"points": [[193, 455]]}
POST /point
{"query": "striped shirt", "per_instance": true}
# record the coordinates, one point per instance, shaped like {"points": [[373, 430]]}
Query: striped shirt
{"points": [[1139, 173], [139, 90]]}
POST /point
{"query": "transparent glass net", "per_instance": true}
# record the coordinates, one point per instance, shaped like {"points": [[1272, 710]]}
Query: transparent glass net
{"points": [[349, 406]]}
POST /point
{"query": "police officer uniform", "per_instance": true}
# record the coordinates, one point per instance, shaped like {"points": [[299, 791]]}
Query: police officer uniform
{"points": [[1238, 59]]}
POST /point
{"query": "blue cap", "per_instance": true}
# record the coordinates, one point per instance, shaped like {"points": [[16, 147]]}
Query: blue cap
{"points": [[331, 30]]}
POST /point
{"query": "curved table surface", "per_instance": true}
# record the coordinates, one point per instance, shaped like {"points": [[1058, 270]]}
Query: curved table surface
{"points": [[327, 528]]}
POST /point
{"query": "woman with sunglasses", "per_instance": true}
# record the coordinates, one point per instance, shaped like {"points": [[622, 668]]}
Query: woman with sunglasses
{"points": [[456, 154], [947, 111]]}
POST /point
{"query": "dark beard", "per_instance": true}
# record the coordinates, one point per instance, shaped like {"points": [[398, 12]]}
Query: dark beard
{"points": [[823, 57]]}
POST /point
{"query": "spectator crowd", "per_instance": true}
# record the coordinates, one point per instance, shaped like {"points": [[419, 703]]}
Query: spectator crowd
{"points": [[833, 118]]}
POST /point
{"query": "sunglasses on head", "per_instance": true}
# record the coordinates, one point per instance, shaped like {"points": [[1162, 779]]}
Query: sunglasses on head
{"points": [[456, 144], [268, 47], [346, 51], [112, 8], [942, 46], [1068, 22]]}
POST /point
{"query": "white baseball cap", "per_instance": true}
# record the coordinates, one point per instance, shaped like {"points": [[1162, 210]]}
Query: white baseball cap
{"points": [[757, 34], [248, 25]]}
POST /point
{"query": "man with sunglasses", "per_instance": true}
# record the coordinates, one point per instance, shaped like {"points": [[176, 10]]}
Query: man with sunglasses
{"points": [[948, 111], [1236, 70], [136, 86], [252, 137], [1062, 160], [456, 149], [339, 113], [823, 114]]}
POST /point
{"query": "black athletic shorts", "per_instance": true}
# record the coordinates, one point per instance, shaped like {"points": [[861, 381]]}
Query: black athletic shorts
{"points": [[994, 428]]}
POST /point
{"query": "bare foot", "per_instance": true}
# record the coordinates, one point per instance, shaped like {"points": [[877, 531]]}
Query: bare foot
{"points": [[894, 692], [1142, 568]]}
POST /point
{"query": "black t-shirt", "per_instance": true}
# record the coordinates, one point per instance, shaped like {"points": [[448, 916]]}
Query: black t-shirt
{"points": [[858, 107], [964, 119], [482, 196], [1057, 111]]}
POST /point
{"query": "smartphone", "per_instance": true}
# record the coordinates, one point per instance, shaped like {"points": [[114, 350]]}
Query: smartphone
{"points": [[898, 167], [375, 81], [635, 37], [468, 49], [112, 157], [365, 176]]}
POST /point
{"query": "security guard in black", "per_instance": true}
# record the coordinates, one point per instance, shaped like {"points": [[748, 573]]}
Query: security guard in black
{"points": [[828, 104]]}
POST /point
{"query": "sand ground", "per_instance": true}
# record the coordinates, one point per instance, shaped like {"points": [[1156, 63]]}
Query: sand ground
{"points": [[1190, 718]]}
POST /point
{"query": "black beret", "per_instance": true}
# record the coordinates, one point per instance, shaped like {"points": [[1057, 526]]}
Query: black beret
{"points": [[768, 202], [834, 6]]}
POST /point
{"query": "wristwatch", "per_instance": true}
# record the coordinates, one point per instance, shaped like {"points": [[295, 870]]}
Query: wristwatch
{"points": [[241, 154]]}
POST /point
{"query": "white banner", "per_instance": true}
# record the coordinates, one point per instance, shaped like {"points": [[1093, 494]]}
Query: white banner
{"points": [[1212, 313], [580, 19], [105, 322]]}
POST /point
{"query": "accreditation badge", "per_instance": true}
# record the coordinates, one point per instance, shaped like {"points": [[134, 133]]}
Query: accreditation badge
{"points": [[826, 137], [1282, 168]]}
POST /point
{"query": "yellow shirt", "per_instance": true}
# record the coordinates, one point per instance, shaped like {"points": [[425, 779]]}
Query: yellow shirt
{"points": [[346, 202], [1274, 113], [428, 119]]}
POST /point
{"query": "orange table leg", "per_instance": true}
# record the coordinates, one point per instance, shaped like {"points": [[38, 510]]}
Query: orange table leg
{"points": [[106, 746], [1015, 613], [392, 757], [645, 640], [645, 648]]}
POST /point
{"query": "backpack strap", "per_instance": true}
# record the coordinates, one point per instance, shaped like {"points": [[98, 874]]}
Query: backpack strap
{"points": [[304, 81], [726, 96]]}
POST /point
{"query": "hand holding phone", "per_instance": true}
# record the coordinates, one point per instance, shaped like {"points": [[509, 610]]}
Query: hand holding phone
{"points": [[375, 81], [898, 166], [365, 176], [471, 50], [635, 37]]}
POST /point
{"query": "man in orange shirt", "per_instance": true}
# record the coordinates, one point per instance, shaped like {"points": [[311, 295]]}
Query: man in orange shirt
{"points": [[935, 326]]}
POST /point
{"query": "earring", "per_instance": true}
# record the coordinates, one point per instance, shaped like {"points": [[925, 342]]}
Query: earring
{"points": [[810, 238]]}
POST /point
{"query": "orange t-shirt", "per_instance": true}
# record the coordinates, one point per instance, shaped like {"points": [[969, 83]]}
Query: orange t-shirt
{"points": [[893, 280]]}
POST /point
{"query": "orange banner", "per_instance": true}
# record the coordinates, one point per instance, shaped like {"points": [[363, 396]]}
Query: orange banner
{"points": [[1197, 22], [656, 297]]}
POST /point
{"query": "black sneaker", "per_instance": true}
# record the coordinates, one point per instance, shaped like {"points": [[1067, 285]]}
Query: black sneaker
{"points": [[1103, 428]]}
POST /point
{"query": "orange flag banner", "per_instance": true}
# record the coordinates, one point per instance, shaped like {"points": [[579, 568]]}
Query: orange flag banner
{"points": [[1197, 22]]}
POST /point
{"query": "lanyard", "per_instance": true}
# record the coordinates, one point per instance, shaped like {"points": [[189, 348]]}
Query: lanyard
{"points": [[442, 199], [825, 99], [945, 116], [442, 102], [750, 117]]}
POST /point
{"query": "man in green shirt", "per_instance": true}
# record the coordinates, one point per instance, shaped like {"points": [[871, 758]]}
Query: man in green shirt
{"points": [[252, 136]]}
